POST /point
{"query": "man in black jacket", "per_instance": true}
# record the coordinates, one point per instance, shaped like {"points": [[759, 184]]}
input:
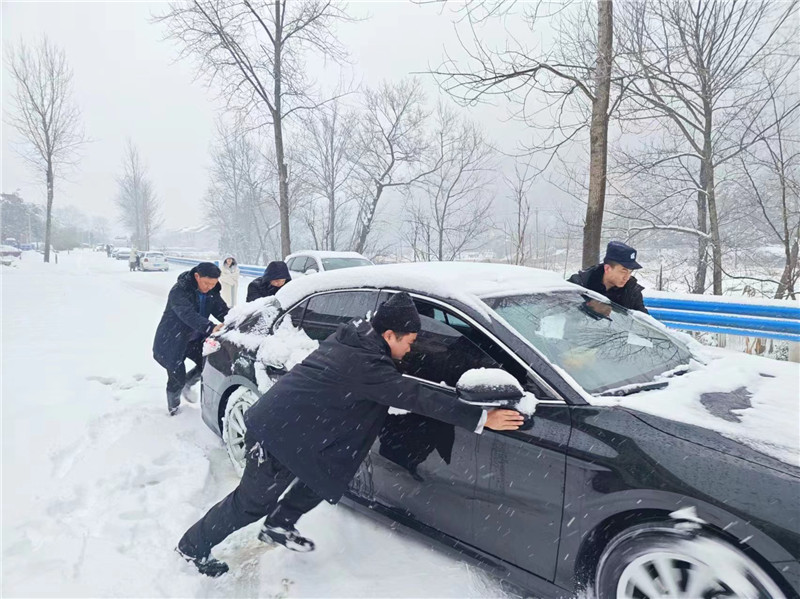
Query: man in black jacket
{"points": [[275, 276], [184, 326], [613, 277], [315, 426]]}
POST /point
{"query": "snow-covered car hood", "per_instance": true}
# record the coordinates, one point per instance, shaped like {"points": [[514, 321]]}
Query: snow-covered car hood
{"points": [[751, 400]]}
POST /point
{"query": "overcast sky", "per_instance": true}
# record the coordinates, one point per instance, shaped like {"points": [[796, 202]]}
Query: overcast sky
{"points": [[128, 84]]}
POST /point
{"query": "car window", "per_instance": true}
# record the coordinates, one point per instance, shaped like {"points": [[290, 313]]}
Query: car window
{"points": [[327, 311], [447, 347], [337, 263], [295, 314], [292, 263], [260, 321], [310, 263]]}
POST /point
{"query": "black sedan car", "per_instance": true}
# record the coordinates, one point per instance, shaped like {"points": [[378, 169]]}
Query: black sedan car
{"points": [[598, 490]]}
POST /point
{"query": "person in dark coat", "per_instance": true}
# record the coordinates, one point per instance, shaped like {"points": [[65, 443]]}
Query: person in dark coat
{"points": [[613, 277], [315, 426], [275, 276], [184, 326]]}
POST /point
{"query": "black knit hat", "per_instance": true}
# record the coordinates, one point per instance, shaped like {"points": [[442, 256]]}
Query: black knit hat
{"points": [[207, 269], [398, 314]]}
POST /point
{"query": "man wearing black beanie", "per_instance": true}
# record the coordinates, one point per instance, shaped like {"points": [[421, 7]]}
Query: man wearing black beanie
{"points": [[310, 432], [184, 326]]}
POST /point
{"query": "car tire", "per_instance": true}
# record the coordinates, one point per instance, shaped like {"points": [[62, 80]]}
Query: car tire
{"points": [[658, 560], [233, 425]]}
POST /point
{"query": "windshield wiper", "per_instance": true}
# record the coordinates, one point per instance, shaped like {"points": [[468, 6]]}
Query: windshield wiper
{"points": [[631, 389]]}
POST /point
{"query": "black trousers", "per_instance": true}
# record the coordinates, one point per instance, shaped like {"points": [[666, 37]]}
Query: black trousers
{"points": [[177, 378], [263, 482]]}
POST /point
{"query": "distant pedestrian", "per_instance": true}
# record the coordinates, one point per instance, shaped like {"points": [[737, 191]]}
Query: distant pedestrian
{"points": [[275, 276], [612, 278], [184, 326], [229, 279], [132, 260]]}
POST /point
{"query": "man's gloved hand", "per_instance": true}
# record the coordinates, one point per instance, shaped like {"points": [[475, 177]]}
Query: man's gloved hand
{"points": [[501, 419]]}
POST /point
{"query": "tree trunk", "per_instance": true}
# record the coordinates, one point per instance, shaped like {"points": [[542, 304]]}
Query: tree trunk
{"points": [[786, 286], [366, 221], [702, 226], [277, 120], [49, 221], [598, 136], [716, 246]]}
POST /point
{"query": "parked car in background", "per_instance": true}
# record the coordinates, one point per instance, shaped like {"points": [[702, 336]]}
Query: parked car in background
{"points": [[309, 262], [122, 253], [647, 470], [10, 250], [153, 261]]}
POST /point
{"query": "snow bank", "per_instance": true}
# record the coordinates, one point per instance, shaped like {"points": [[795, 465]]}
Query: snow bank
{"points": [[752, 400]]}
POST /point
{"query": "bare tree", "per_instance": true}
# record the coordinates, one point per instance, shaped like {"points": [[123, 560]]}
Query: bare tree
{"points": [[240, 202], [693, 67], [518, 228], [45, 115], [329, 157], [140, 209], [772, 183], [253, 49], [390, 147], [448, 207], [564, 91]]}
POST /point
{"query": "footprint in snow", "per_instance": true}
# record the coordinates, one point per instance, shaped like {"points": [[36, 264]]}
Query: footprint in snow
{"points": [[103, 380]]}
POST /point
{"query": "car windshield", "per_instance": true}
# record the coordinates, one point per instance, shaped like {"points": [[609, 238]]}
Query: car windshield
{"points": [[602, 346], [337, 263]]}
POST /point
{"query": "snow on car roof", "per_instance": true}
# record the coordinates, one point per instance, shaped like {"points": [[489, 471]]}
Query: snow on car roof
{"points": [[466, 282], [326, 254]]}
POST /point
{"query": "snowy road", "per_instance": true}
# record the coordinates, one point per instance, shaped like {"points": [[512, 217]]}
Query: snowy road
{"points": [[98, 483]]}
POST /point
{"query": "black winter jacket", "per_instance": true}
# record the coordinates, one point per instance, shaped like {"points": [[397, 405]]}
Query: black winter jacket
{"points": [[182, 322], [321, 418], [629, 296], [261, 287]]}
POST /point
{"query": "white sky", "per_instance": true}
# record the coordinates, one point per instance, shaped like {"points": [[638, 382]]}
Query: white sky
{"points": [[127, 84]]}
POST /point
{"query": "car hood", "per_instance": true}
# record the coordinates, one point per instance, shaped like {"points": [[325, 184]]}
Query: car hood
{"points": [[746, 399]]}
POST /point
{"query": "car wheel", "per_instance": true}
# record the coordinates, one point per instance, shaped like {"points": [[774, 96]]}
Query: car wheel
{"points": [[654, 560], [234, 428]]}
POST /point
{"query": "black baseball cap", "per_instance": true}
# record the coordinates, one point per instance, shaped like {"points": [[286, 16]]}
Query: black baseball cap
{"points": [[622, 254]]}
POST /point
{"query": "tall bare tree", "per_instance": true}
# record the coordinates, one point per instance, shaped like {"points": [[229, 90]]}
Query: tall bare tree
{"points": [[391, 146], [449, 209], [329, 155], [772, 183], [139, 207], [518, 228], [240, 202], [694, 68], [564, 90], [254, 50], [45, 115]]}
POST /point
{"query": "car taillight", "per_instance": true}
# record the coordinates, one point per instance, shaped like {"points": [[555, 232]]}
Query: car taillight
{"points": [[145, 259], [210, 346]]}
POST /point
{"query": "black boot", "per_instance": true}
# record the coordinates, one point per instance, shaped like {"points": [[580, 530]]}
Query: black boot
{"points": [[205, 565], [173, 402], [288, 537], [192, 379]]}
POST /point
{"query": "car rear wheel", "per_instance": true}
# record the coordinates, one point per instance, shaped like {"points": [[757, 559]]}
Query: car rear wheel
{"points": [[652, 561], [234, 428]]}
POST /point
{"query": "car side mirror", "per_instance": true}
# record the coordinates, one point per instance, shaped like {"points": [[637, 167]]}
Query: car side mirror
{"points": [[311, 271], [489, 387]]}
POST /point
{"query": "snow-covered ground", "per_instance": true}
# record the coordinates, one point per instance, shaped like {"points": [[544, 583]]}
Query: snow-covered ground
{"points": [[98, 483]]}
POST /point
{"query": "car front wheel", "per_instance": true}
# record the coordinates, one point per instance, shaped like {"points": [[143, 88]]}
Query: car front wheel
{"points": [[234, 428], [652, 560]]}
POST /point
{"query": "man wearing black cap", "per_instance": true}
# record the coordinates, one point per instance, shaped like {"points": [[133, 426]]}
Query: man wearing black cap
{"points": [[183, 328], [310, 432], [613, 277]]}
